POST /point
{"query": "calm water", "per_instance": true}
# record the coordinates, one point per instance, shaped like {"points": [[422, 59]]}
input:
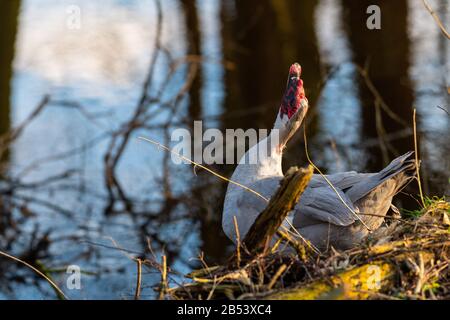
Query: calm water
{"points": [[58, 211]]}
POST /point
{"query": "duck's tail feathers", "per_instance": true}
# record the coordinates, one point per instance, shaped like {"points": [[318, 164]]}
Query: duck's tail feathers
{"points": [[402, 169]]}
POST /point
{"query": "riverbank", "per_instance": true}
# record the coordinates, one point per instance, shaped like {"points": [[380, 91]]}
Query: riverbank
{"points": [[408, 258]]}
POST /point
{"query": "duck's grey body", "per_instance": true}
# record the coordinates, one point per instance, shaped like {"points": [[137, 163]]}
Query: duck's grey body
{"points": [[321, 216], [339, 216]]}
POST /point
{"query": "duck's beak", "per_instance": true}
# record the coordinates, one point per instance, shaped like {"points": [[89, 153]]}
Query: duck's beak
{"points": [[294, 93], [295, 70]]}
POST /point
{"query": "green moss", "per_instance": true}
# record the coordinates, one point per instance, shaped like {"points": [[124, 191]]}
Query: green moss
{"points": [[356, 283], [431, 203]]}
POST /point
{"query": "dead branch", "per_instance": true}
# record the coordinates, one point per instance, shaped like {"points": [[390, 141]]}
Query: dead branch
{"points": [[436, 18], [268, 222]]}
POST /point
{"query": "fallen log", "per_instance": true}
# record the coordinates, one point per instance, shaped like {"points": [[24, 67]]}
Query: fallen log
{"points": [[409, 259], [358, 283], [361, 282], [284, 200]]}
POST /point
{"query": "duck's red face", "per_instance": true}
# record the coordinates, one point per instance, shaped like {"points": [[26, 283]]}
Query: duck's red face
{"points": [[294, 93]]}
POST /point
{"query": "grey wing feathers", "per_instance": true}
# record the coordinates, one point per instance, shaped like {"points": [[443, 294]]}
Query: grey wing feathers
{"points": [[322, 204], [398, 165], [342, 180]]}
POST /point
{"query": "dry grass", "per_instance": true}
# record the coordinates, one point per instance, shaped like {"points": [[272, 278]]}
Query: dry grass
{"points": [[405, 259]]}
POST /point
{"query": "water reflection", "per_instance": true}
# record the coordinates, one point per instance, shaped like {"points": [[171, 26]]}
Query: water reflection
{"points": [[7, 42], [236, 54], [385, 53]]}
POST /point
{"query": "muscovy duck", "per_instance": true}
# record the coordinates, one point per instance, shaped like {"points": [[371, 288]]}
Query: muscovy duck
{"points": [[341, 215]]}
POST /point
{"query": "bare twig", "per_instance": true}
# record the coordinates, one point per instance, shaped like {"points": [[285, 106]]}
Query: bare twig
{"points": [[436, 18], [37, 271], [14, 133], [204, 168], [416, 151], [163, 278], [238, 242], [276, 276], [137, 293], [365, 74]]}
